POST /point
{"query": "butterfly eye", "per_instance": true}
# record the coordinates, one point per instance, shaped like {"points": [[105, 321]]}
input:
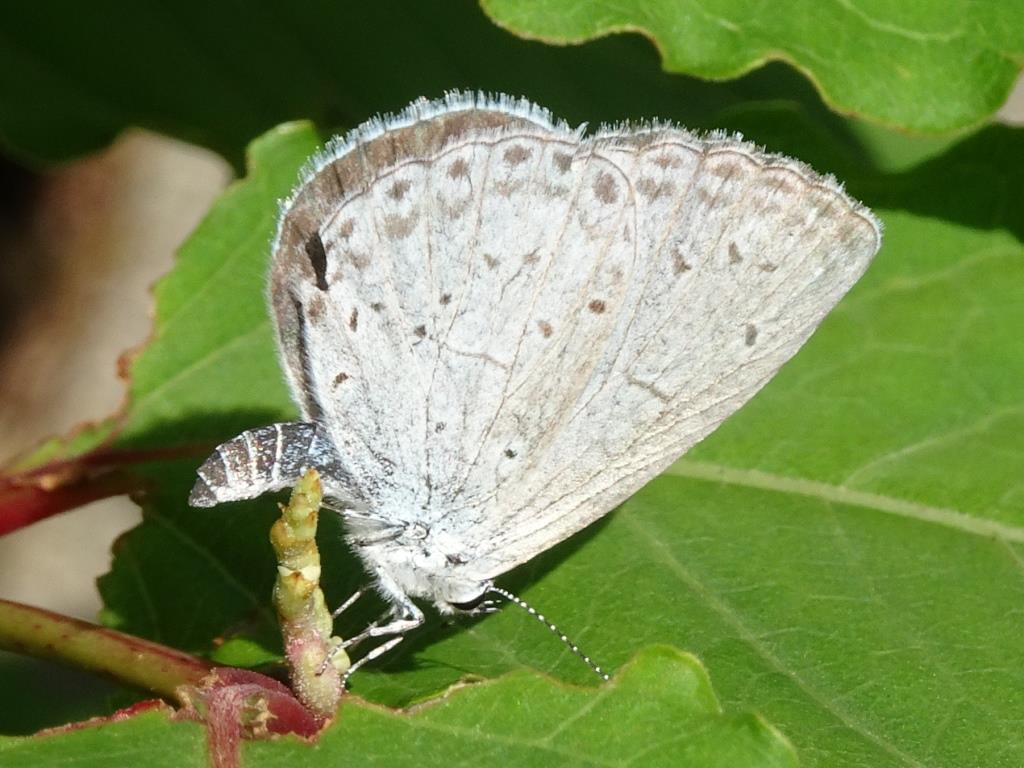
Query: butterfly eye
{"points": [[470, 605]]}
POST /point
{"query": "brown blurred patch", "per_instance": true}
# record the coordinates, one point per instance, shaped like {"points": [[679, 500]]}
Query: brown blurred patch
{"points": [[80, 247]]}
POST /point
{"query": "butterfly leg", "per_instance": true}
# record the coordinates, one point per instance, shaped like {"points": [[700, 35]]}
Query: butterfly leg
{"points": [[486, 608], [347, 604], [376, 653], [269, 459], [404, 614], [345, 645], [403, 619]]}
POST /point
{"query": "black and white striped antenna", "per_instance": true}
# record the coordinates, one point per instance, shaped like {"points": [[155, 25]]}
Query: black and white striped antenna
{"points": [[554, 629]]}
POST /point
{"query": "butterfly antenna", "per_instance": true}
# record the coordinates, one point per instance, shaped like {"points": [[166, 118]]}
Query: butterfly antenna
{"points": [[561, 636]]}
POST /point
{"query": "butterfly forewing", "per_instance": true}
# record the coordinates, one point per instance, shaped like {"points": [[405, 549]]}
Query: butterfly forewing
{"points": [[740, 260]]}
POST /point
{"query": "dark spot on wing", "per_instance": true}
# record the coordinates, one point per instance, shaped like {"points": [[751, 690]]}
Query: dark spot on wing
{"points": [[734, 254], [317, 259], [420, 331], [750, 334], [764, 266], [532, 257], [545, 328], [679, 263], [562, 161], [440, 427], [509, 453], [517, 155], [446, 299], [458, 169], [346, 228], [725, 170], [315, 307], [652, 189], [353, 319], [399, 227], [398, 189], [340, 378], [491, 261], [376, 306], [605, 188], [596, 306], [665, 160], [358, 260]]}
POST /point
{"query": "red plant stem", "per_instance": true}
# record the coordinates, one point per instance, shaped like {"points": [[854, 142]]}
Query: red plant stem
{"points": [[108, 458], [22, 505], [35, 494], [130, 660]]}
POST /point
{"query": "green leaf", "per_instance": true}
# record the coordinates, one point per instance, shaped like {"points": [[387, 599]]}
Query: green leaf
{"points": [[844, 554], [659, 711], [215, 76], [927, 66], [149, 739], [36, 694]]}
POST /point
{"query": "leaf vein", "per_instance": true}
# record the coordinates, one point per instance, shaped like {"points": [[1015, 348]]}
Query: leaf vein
{"points": [[837, 494], [663, 553]]}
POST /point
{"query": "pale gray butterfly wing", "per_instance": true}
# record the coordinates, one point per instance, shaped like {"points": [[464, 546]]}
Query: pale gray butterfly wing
{"points": [[739, 258], [507, 329]]}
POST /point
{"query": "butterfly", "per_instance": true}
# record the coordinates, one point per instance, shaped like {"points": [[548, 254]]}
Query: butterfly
{"points": [[497, 328]]}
